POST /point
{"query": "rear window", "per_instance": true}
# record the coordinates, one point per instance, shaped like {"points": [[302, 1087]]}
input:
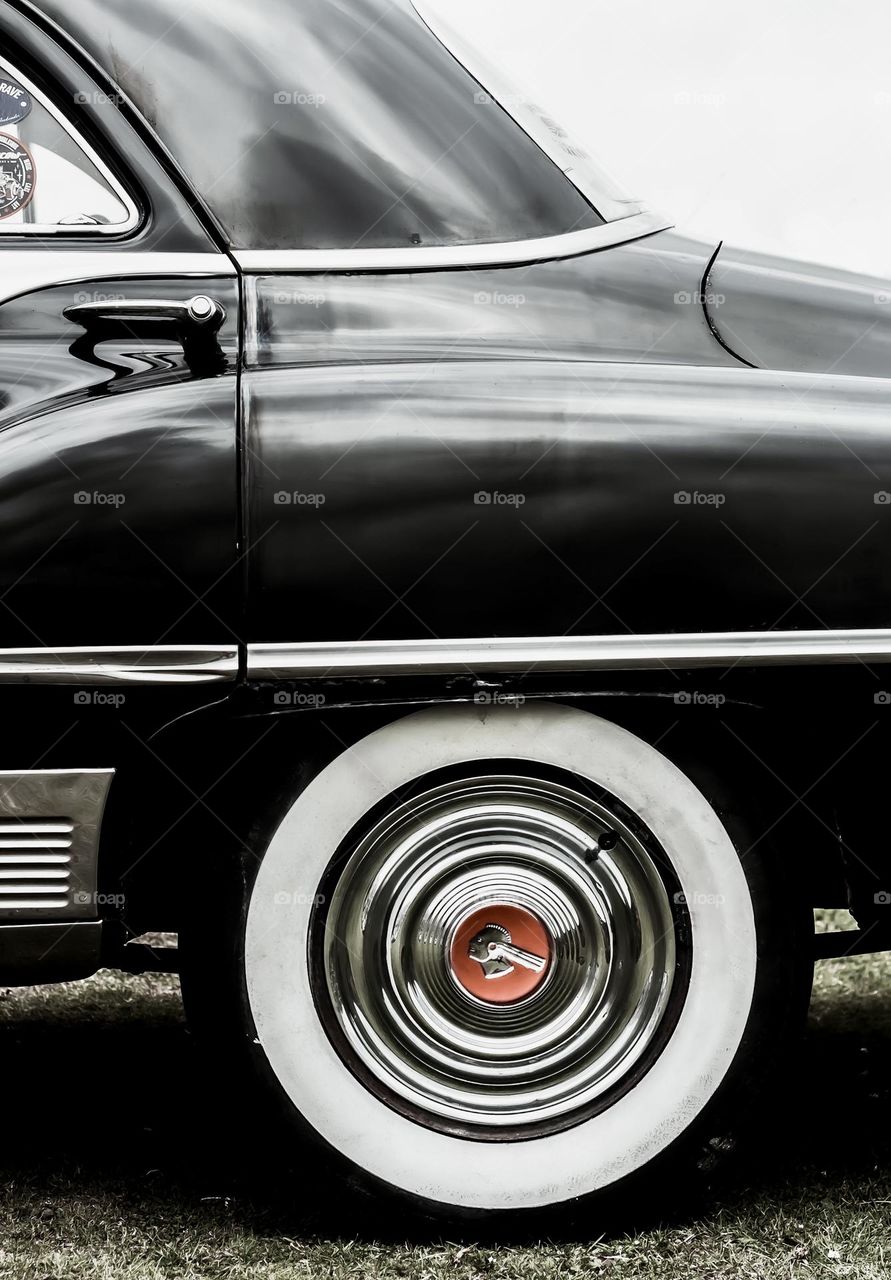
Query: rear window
{"points": [[328, 124]]}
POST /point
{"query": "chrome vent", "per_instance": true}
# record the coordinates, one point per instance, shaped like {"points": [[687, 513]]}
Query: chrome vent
{"points": [[50, 822], [35, 864]]}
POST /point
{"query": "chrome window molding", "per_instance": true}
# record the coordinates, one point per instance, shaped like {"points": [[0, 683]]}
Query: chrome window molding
{"points": [[442, 257], [158, 664], [24, 270], [565, 653], [25, 230]]}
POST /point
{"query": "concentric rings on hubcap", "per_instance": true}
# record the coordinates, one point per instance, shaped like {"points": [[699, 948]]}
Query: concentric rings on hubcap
{"points": [[498, 953]]}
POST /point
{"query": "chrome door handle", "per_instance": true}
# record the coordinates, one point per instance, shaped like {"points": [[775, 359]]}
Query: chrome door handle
{"points": [[198, 314]]}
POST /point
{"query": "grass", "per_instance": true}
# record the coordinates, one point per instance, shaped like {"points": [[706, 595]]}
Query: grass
{"points": [[107, 1169]]}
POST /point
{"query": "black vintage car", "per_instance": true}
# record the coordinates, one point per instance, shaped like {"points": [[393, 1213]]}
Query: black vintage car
{"points": [[445, 597]]}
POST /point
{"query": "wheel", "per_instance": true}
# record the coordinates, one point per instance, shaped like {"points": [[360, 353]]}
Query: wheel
{"points": [[498, 959]]}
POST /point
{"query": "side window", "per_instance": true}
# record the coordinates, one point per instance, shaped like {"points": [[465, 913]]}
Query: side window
{"points": [[50, 181], [328, 124]]}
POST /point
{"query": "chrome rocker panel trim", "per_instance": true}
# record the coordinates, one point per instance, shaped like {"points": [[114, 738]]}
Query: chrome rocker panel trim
{"points": [[565, 653], [159, 664], [443, 257]]}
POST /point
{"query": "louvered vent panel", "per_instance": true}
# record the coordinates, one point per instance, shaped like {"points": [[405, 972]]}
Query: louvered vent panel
{"points": [[35, 864]]}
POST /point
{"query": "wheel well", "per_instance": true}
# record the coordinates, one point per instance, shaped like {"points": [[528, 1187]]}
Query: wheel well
{"points": [[218, 784]]}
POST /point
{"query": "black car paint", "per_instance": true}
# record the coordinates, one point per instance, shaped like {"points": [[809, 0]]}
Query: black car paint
{"points": [[641, 478], [118, 479], [514, 499], [780, 314]]}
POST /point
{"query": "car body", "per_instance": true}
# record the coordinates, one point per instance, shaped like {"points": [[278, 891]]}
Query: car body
{"points": [[336, 382]]}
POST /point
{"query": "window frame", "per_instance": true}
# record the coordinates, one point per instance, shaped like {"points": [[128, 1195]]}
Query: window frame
{"points": [[509, 253], [87, 231]]}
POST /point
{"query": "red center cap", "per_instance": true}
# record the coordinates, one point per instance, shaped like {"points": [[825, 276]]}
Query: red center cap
{"points": [[500, 954]]}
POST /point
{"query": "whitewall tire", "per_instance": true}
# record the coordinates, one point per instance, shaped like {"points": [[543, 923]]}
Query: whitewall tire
{"points": [[625, 1019]]}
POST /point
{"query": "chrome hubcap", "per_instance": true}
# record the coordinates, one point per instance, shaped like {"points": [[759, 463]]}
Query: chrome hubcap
{"points": [[498, 953]]}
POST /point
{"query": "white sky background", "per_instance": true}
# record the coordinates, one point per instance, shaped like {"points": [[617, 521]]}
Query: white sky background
{"points": [[763, 122]]}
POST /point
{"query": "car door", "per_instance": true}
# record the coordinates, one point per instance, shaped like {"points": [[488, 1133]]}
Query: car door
{"points": [[119, 322]]}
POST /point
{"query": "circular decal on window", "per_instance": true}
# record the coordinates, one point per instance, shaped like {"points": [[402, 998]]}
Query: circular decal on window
{"points": [[15, 102], [17, 177]]}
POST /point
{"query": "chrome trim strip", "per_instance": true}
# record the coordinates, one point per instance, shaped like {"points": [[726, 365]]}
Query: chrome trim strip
{"points": [[439, 257], [55, 229], [23, 269], [564, 653], [158, 664]]}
